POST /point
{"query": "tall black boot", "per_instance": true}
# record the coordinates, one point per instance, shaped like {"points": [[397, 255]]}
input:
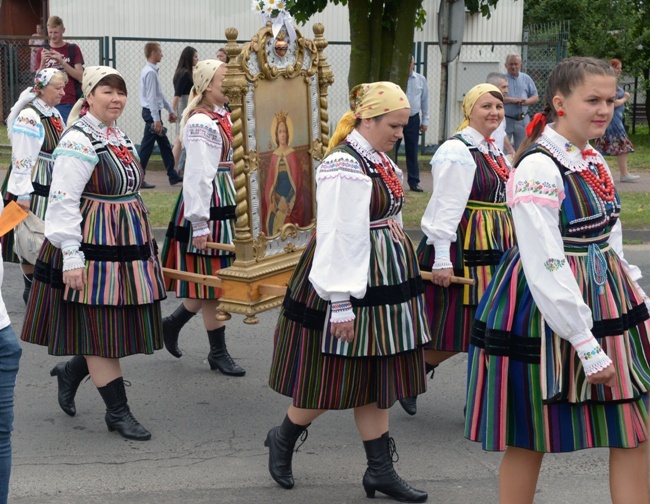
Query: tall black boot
{"points": [[28, 279], [172, 326], [280, 442], [410, 404], [219, 358], [381, 476], [118, 415], [69, 375]]}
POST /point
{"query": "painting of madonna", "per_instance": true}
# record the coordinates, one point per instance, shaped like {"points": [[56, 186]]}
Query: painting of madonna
{"points": [[286, 195]]}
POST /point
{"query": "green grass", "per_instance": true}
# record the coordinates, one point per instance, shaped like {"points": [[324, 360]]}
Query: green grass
{"points": [[160, 205]]}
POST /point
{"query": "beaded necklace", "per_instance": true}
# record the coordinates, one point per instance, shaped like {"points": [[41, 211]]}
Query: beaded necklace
{"points": [[499, 166], [602, 183], [389, 177], [121, 151], [57, 124]]}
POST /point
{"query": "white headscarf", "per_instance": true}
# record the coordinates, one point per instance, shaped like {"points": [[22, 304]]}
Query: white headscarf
{"points": [[41, 79], [202, 76], [91, 77]]}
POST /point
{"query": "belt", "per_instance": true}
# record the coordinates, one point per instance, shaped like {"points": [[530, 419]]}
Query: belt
{"points": [[518, 117]]}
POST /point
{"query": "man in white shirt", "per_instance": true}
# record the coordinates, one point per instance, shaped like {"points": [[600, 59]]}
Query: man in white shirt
{"points": [[500, 138], [418, 96], [153, 102]]}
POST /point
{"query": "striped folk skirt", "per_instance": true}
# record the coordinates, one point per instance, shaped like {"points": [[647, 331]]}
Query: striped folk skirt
{"points": [[526, 386], [484, 234], [385, 363], [41, 181], [118, 312], [178, 252]]}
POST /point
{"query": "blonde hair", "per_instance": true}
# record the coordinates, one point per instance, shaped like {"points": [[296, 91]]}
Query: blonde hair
{"points": [[58, 78], [55, 22], [150, 47]]}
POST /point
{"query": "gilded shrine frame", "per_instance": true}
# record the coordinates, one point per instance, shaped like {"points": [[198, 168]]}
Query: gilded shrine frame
{"points": [[267, 81]]}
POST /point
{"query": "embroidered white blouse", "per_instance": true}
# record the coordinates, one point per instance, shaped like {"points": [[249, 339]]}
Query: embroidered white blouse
{"points": [[74, 162], [453, 169], [26, 143], [203, 144], [342, 255], [536, 218]]}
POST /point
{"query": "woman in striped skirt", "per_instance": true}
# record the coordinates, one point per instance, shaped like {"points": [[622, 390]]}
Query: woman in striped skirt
{"points": [[559, 357], [467, 225], [98, 281], [352, 324], [204, 212], [34, 127]]}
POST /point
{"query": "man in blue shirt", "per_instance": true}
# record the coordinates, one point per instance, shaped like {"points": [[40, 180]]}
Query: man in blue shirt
{"points": [[418, 96], [153, 102], [521, 94]]}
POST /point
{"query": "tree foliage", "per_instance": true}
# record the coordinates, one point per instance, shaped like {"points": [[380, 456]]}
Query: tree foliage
{"points": [[381, 33]]}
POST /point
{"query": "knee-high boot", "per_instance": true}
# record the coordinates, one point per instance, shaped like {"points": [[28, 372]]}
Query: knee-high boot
{"points": [[69, 375], [219, 358], [381, 476], [28, 279], [280, 441], [172, 326], [118, 415]]}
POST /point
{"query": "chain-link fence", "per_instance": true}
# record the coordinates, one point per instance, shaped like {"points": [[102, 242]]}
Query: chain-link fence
{"points": [[17, 60], [475, 62]]}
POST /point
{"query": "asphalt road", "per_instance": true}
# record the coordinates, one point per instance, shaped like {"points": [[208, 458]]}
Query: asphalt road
{"points": [[208, 432]]}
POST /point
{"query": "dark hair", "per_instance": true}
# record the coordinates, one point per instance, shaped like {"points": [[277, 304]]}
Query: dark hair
{"points": [[185, 63], [112, 80], [567, 75]]}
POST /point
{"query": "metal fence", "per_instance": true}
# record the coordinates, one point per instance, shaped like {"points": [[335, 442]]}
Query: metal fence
{"points": [[471, 67], [16, 64]]}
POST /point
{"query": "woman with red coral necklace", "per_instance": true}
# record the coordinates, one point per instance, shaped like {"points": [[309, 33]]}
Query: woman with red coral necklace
{"points": [[467, 225], [559, 358], [352, 325], [34, 127], [98, 280]]}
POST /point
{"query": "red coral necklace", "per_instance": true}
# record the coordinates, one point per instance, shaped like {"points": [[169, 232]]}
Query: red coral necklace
{"points": [[389, 177], [499, 166], [602, 183]]}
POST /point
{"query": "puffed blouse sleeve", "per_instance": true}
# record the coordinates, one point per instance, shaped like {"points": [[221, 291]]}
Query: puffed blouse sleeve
{"points": [[342, 255], [26, 142], [74, 162], [535, 193], [453, 170], [203, 144]]}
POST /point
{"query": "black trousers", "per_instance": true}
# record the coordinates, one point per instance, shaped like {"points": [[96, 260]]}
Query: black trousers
{"points": [[148, 141], [411, 141]]}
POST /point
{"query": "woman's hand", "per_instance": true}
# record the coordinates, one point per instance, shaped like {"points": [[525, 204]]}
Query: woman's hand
{"points": [[442, 277], [75, 279], [201, 242], [24, 204], [343, 331], [605, 377]]}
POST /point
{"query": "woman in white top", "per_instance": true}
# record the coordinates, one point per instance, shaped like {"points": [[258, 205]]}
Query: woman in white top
{"points": [[560, 353], [34, 127], [467, 225], [204, 211]]}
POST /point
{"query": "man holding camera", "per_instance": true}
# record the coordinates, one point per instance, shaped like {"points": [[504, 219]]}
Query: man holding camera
{"points": [[58, 54], [153, 102], [521, 94]]}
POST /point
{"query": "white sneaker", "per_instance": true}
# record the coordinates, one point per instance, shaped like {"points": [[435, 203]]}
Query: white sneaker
{"points": [[630, 178]]}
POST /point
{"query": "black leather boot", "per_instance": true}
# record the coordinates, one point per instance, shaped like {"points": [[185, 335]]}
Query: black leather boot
{"points": [[118, 415], [69, 375], [172, 326], [381, 476], [219, 358], [28, 279], [410, 404], [280, 441]]}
